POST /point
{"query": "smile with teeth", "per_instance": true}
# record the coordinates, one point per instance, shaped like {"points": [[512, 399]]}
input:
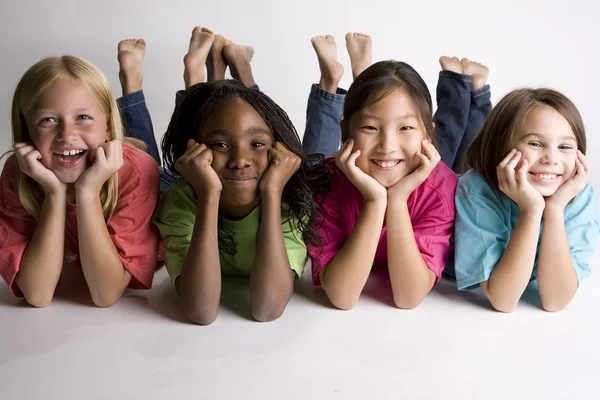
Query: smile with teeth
{"points": [[69, 152], [545, 177], [386, 163]]}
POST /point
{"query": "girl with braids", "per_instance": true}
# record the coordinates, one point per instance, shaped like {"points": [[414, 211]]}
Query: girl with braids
{"points": [[243, 205], [75, 192]]}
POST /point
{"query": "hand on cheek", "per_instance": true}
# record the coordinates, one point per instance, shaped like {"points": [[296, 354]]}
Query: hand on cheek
{"points": [[345, 159], [428, 158], [573, 186], [195, 165], [283, 164], [105, 161], [28, 159], [513, 182]]}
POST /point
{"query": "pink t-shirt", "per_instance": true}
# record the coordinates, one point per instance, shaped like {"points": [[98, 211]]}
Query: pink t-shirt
{"points": [[130, 227], [431, 208]]}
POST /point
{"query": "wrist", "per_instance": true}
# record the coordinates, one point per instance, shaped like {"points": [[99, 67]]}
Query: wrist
{"points": [[553, 210], [84, 192], [534, 213], [377, 203], [270, 191]]}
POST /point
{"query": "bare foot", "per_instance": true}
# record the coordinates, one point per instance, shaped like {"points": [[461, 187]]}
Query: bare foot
{"points": [[451, 64], [238, 58], [331, 69], [478, 71], [194, 60], [359, 48], [215, 63], [130, 55]]}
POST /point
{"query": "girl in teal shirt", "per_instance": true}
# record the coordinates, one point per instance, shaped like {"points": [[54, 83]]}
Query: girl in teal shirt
{"points": [[525, 208]]}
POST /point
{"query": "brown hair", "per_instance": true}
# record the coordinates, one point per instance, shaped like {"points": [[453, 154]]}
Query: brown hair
{"points": [[379, 80], [498, 132]]}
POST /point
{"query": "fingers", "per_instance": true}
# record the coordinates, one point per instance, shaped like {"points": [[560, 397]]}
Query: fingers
{"points": [[506, 159], [585, 164], [343, 154], [522, 172], [22, 144], [431, 152], [281, 154], [506, 169]]}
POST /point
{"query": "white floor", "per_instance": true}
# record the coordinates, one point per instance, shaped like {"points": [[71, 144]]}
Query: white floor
{"points": [[451, 347]]}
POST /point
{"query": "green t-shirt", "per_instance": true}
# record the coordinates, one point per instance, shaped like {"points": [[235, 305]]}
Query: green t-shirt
{"points": [[175, 217]]}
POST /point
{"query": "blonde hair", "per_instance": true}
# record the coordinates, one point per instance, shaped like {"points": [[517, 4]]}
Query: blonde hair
{"points": [[31, 86]]}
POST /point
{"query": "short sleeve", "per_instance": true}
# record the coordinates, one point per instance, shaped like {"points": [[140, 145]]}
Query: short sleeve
{"points": [[432, 235], [333, 228], [582, 224], [130, 227], [294, 246], [16, 226], [481, 237], [175, 217]]}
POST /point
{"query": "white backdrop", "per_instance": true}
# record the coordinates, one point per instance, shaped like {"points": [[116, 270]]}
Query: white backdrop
{"points": [[524, 42], [453, 346]]}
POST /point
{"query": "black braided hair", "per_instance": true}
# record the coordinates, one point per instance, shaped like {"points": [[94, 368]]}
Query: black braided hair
{"points": [[202, 100]]}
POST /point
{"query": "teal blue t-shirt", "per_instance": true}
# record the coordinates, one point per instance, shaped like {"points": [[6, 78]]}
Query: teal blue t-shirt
{"points": [[486, 218]]}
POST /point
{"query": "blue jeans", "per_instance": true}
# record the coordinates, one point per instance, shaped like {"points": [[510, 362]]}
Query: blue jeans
{"points": [[138, 124], [460, 114], [322, 134]]}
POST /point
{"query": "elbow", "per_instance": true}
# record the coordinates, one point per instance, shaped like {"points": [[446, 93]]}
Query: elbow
{"points": [[553, 305], [267, 314], [104, 300], [200, 315], [506, 307], [343, 302], [407, 302], [38, 300]]}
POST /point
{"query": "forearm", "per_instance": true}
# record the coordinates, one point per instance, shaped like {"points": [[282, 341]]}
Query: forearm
{"points": [[513, 272], [104, 273], [410, 277], [43, 259], [200, 280], [346, 275], [271, 278], [557, 280]]}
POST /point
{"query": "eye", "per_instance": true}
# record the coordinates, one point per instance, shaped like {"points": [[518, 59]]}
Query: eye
{"points": [[535, 144], [407, 128], [47, 120], [84, 117], [220, 146], [565, 147], [258, 145], [368, 128]]}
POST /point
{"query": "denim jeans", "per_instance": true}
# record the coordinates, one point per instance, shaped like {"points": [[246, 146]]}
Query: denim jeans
{"points": [[136, 121], [322, 134], [138, 124], [460, 114]]}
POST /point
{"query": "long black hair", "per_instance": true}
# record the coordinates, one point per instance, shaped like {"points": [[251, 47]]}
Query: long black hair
{"points": [[203, 99]]}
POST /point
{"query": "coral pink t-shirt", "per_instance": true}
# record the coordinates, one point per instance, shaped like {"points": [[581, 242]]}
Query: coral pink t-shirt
{"points": [[130, 227], [431, 208]]}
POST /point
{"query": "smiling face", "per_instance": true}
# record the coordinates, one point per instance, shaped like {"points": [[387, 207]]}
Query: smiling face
{"points": [[547, 142], [388, 133], [239, 139], [64, 126]]}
